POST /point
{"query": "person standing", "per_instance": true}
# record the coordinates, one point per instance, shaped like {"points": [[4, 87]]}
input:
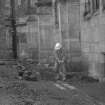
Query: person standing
{"points": [[59, 61]]}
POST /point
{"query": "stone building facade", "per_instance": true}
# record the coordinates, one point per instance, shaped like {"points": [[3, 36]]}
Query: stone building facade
{"points": [[93, 36], [85, 31], [40, 33], [5, 37], [77, 24], [59, 22], [41, 27]]}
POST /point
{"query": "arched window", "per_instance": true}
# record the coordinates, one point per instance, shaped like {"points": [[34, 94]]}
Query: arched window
{"points": [[91, 7], [87, 7], [95, 5], [103, 4]]}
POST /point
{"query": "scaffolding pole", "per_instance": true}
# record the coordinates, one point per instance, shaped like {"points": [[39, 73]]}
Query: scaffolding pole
{"points": [[100, 5], [59, 15]]}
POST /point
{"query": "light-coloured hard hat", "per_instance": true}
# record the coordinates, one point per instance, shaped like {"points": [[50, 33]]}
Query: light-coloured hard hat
{"points": [[58, 46]]}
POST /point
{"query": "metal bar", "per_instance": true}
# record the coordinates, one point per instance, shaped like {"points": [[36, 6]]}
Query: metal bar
{"points": [[60, 27]]}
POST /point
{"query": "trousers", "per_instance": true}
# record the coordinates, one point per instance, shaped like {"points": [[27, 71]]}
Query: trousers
{"points": [[60, 69]]}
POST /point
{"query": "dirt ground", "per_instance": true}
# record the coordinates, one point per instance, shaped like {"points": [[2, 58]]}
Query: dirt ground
{"points": [[44, 92], [95, 90]]}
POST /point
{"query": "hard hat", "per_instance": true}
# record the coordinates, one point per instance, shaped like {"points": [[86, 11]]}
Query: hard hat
{"points": [[58, 46]]}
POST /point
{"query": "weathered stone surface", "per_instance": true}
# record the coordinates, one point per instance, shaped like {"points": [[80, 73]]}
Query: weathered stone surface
{"points": [[93, 42]]}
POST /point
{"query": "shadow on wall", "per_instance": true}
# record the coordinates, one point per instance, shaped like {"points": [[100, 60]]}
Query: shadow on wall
{"points": [[81, 66], [30, 53]]}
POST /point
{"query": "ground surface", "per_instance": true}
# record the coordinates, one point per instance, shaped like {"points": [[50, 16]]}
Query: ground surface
{"points": [[95, 90], [46, 92]]}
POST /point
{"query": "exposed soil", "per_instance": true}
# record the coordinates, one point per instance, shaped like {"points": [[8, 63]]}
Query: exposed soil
{"points": [[21, 92]]}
